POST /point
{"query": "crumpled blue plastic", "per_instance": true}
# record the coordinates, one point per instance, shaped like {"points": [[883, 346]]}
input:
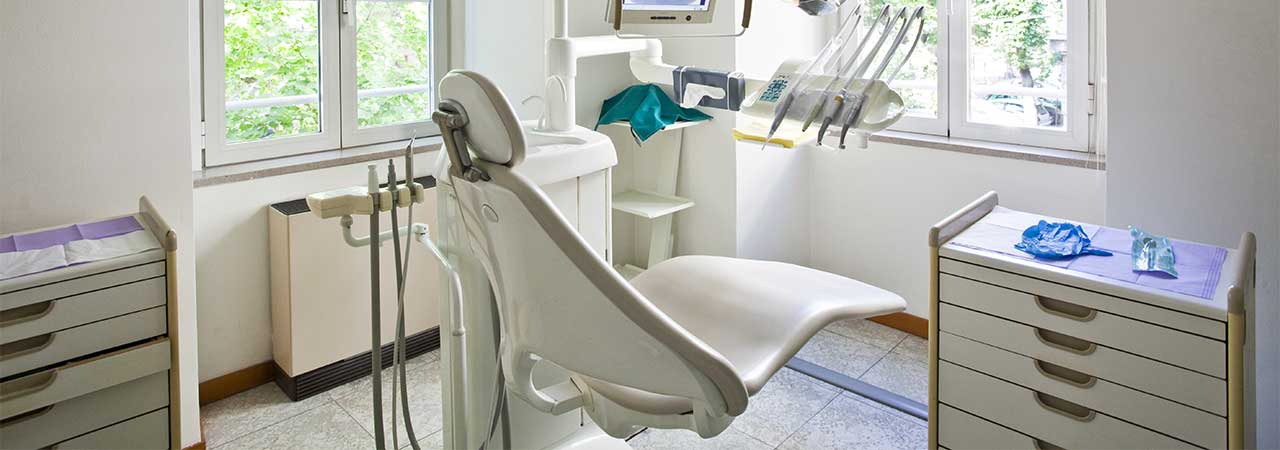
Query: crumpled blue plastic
{"points": [[1152, 253], [1057, 241]]}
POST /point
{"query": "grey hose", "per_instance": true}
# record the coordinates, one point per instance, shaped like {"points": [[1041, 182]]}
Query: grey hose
{"points": [[398, 369], [376, 324]]}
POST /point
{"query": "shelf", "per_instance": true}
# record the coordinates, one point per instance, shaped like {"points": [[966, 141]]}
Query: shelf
{"points": [[628, 271], [672, 127], [649, 205]]}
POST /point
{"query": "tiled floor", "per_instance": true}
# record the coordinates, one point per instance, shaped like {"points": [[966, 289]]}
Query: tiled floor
{"points": [[793, 412]]}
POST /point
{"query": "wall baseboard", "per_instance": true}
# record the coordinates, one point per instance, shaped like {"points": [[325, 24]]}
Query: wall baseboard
{"points": [[198, 445], [342, 372], [914, 325], [313, 382], [236, 382]]}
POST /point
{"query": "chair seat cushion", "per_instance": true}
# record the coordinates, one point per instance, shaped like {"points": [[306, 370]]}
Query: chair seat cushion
{"points": [[758, 314]]}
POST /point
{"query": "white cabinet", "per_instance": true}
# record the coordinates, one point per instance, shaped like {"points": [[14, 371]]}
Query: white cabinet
{"points": [[320, 323], [584, 202], [1025, 354], [87, 351]]}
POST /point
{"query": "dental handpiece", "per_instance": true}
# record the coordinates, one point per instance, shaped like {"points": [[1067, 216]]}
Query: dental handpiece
{"points": [[853, 59], [835, 47], [917, 17], [835, 112]]}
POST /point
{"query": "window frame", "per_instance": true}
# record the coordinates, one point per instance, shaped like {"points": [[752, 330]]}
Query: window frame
{"points": [[934, 125], [954, 89], [352, 134], [338, 104]]}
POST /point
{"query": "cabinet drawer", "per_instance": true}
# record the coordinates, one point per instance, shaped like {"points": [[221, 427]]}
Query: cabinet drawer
{"points": [[68, 287], [38, 390], [1163, 380], [1176, 420], [959, 430], [1119, 306], [53, 348], [54, 315], [1197, 353], [1041, 416], [65, 420], [147, 432]]}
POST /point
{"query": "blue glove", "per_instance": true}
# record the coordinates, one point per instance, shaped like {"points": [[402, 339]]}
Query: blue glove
{"points": [[1057, 241]]}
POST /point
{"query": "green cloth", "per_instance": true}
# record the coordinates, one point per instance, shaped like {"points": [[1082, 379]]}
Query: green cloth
{"points": [[648, 109]]}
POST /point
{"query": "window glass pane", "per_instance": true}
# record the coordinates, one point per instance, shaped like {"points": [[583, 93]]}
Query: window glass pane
{"points": [[272, 68], [393, 62], [1018, 63], [918, 80]]}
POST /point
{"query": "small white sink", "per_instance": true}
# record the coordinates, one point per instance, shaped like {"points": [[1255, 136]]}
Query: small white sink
{"points": [[554, 157]]}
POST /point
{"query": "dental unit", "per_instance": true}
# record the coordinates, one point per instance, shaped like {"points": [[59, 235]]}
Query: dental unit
{"points": [[526, 292]]}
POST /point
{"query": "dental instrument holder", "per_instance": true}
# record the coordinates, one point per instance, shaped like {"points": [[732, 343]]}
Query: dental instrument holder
{"points": [[373, 200], [734, 85]]}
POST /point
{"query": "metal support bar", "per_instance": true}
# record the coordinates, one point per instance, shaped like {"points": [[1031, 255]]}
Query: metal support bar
{"points": [[875, 393]]}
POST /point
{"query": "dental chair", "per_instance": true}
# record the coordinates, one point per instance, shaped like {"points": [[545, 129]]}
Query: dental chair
{"points": [[683, 345]]}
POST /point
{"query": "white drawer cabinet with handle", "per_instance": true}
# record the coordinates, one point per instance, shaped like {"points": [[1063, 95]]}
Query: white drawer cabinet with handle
{"points": [[87, 350], [1038, 354]]}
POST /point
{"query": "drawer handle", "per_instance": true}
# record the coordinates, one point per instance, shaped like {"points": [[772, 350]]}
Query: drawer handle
{"points": [[25, 314], [1042, 445], [25, 346], [1068, 310], [1065, 375], [25, 417], [25, 386], [1064, 408], [1066, 343]]}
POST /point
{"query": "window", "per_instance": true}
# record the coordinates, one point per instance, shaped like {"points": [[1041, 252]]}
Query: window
{"points": [[1011, 71], [284, 77]]}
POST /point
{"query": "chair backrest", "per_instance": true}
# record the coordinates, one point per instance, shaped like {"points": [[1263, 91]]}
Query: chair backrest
{"points": [[557, 298]]}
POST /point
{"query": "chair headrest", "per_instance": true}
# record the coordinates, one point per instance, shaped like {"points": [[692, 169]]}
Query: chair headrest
{"points": [[493, 131]]}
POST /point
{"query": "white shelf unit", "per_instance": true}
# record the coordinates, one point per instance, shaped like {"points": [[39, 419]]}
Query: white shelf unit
{"points": [[649, 205], [645, 190]]}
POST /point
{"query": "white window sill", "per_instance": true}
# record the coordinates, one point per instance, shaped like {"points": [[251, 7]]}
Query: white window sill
{"points": [[234, 173], [1020, 152]]}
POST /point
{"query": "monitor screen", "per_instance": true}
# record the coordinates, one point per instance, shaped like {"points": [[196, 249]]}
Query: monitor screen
{"points": [[665, 5]]}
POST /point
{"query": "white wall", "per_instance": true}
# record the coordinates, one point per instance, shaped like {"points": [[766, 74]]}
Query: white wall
{"points": [[504, 41], [773, 185], [872, 209], [1194, 150], [96, 113]]}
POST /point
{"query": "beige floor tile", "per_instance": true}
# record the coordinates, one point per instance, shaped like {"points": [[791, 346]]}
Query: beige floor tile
{"points": [[425, 403], [850, 424], [783, 406], [868, 332], [687, 440], [841, 354], [249, 411], [902, 375], [326, 427]]}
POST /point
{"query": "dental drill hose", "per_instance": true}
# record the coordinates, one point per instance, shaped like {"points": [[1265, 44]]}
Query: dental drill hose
{"points": [[375, 311], [395, 249], [400, 326], [398, 374]]}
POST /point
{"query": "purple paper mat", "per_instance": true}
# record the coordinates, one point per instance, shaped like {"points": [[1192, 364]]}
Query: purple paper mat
{"points": [[60, 236], [1199, 266]]}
